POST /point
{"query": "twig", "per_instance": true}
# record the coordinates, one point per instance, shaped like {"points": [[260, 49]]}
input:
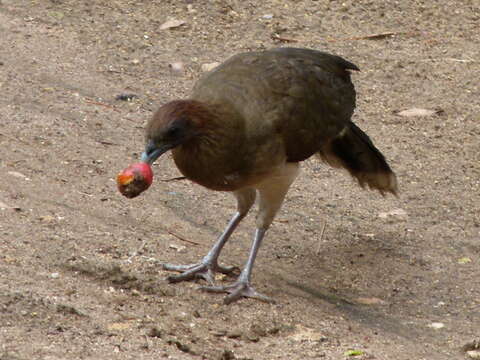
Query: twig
{"points": [[283, 39], [84, 193], [450, 59], [460, 60], [147, 342], [378, 36], [88, 101], [180, 237], [174, 179], [116, 72], [321, 238], [106, 142]]}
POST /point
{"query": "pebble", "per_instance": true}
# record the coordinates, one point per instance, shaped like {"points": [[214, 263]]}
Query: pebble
{"points": [[176, 67], [436, 325]]}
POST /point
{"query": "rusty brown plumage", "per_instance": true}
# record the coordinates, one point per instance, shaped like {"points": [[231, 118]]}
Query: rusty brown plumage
{"points": [[246, 127]]}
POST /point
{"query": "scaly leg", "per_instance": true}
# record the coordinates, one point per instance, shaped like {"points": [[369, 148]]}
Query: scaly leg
{"points": [[241, 287], [209, 265], [272, 192]]}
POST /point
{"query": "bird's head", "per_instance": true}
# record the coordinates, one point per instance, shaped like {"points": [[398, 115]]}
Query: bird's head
{"points": [[175, 123]]}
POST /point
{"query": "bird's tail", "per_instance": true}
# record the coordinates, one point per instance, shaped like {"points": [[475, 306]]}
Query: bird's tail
{"points": [[353, 150]]}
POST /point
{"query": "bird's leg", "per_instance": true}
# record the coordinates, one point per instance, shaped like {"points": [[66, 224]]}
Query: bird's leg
{"points": [[241, 287], [206, 268], [272, 192], [209, 265]]}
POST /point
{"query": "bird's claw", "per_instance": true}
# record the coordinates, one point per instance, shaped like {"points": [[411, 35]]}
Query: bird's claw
{"points": [[236, 291], [197, 271]]}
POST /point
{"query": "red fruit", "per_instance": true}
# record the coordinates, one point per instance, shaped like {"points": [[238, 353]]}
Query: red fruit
{"points": [[135, 179]]}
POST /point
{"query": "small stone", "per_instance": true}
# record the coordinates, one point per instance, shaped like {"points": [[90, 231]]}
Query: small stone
{"points": [[227, 355], [258, 330], [219, 333], [436, 325], [234, 334], [54, 275], [172, 23], [180, 346], [177, 67], [126, 97], [155, 332], [252, 337]]}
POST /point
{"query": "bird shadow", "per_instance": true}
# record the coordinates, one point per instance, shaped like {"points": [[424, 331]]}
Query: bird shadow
{"points": [[366, 315]]}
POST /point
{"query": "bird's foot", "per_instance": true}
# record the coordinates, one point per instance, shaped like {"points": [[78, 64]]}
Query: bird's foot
{"points": [[236, 291], [203, 270]]}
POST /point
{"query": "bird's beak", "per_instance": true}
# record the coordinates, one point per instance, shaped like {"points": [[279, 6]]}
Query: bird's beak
{"points": [[153, 151]]}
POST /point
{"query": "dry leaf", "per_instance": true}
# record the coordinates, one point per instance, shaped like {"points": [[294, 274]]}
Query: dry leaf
{"points": [[120, 326], [353, 353], [464, 260], [209, 67], [303, 333], [369, 301], [4, 206], [395, 212], [179, 248], [171, 23], [436, 325], [18, 175], [473, 354], [418, 112]]}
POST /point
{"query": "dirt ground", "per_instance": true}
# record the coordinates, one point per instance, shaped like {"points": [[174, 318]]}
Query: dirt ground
{"points": [[80, 266]]}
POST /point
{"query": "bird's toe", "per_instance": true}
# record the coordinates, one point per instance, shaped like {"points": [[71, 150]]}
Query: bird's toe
{"points": [[237, 291], [245, 290], [190, 272], [180, 268]]}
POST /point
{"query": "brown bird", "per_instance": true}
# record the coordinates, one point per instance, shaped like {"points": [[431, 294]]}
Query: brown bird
{"points": [[246, 127]]}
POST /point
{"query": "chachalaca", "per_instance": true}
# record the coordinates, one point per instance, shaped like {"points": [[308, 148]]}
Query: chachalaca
{"points": [[245, 129]]}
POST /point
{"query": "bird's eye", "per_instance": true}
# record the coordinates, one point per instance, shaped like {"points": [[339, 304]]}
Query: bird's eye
{"points": [[173, 132]]}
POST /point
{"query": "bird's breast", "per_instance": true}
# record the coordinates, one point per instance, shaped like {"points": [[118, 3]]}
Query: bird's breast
{"points": [[216, 171]]}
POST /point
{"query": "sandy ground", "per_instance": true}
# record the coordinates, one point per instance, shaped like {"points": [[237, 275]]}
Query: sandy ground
{"points": [[80, 266]]}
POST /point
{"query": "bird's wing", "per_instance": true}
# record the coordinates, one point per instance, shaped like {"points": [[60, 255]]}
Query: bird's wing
{"points": [[289, 101]]}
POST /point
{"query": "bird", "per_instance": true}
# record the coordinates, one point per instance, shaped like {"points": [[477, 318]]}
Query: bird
{"points": [[245, 129]]}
